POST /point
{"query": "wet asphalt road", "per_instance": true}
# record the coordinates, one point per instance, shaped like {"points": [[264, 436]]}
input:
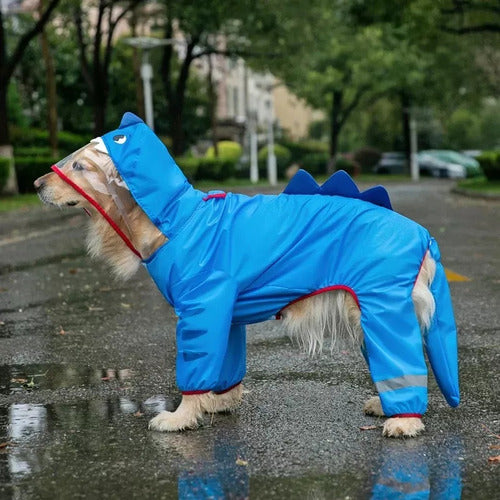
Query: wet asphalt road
{"points": [[86, 361]]}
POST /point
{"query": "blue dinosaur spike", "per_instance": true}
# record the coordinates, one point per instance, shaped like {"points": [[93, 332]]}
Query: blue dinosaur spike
{"points": [[377, 195], [302, 183], [129, 119], [339, 184]]}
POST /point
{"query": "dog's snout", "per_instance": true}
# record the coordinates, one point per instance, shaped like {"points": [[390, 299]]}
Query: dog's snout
{"points": [[39, 183]]}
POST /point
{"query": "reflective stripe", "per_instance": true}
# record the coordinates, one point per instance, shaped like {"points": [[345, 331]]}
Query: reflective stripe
{"points": [[391, 384]]}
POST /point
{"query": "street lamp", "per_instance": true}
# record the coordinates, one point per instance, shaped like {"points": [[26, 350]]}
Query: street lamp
{"points": [[146, 44]]}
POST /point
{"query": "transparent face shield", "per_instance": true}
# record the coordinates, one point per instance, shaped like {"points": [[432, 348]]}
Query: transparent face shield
{"points": [[92, 173]]}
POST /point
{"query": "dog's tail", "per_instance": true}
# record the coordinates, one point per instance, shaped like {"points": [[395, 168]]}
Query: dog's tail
{"points": [[441, 336]]}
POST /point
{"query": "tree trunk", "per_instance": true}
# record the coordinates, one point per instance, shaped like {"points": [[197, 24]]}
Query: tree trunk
{"points": [[50, 84], [4, 125], [335, 124], [405, 122], [177, 106], [100, 102], [212, 106]]}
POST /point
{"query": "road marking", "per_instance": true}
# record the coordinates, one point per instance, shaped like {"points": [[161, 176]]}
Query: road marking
{"points": [[453, 276], [32, 234]]}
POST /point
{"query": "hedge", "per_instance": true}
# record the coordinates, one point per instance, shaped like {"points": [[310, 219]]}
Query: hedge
{"points": [[367, 158], [490, 163], [32, 137], [30, 168], [315, 163], [283, 159], [4, 171], [196, 169], [227, 150], [301, 149]]}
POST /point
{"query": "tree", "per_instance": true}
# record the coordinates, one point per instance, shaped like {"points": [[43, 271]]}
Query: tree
{"points": [[8, 63], [95, 54], [464, 17]]}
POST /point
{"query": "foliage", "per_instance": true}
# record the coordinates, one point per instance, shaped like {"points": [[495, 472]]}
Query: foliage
{"points": [[37, 138], [300, 149], [367, 158], [227, 150], [207, 168], [30, 168], [490, 163], [349, 165], [4, 171], [314, 163], [283, 157]]}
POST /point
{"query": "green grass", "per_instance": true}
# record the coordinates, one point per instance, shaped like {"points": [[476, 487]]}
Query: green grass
{"points": [[480, 184], [18, 202]]}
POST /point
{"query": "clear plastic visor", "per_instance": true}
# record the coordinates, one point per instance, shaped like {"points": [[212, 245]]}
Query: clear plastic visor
{"points": [[94, 171]]}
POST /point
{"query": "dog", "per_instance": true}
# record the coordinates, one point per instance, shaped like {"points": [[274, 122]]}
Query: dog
{"points": [[327, 260]]}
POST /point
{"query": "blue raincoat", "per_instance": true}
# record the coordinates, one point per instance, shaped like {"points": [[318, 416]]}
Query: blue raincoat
{"points": [[231, 260]]}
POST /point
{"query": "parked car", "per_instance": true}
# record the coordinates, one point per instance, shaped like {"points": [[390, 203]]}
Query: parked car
{"points": [[433, 167], [448, 156], [395, 163], [391, 163]]}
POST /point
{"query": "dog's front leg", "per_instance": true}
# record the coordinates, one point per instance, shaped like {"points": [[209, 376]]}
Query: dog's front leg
{"points": [[190, 412], [187, 416]]}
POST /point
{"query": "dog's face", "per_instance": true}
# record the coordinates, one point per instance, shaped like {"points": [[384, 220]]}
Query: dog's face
{"points": [[91, 169]]}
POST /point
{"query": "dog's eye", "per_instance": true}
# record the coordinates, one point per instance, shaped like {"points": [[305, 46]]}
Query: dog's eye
{"points": [[120, 139], [78, 166]]}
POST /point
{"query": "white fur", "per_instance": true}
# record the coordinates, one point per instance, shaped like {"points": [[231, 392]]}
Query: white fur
{"points": [[190, 412]]}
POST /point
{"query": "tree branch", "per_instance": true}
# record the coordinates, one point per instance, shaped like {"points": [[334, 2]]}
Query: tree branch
{"points": [[234, 53], [82, 48], [16, 56], [352, 106], [480, 28]]}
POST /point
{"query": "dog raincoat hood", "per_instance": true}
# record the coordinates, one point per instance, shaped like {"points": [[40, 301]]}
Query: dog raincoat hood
{"points": [[231, 260]]}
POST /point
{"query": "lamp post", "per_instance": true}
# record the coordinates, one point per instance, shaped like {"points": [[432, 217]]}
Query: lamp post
{"points": [[146, 44]]}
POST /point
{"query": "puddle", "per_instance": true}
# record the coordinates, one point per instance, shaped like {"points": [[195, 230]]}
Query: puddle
{"points": [[101, 449], [30, 377]]}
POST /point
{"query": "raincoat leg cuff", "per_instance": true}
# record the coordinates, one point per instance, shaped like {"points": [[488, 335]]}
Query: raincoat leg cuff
{"points": [[406, 415], [228, 389], [193, 393]]}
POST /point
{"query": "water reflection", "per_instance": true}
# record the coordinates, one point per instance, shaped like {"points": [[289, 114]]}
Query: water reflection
{"points": [[97, 435], [18, 378], [212, 464], [412, 470]]}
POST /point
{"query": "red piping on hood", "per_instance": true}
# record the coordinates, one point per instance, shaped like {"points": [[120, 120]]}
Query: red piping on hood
{"points": [[98, 207]]}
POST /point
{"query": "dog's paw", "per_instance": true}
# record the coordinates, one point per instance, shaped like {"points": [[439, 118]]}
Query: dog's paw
{"points": [[373, 406], [403, 427], [167, 421]]}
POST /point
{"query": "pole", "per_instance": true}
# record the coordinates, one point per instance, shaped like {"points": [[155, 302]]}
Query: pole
{"points": [[414, 169], [147, 76], [254, 164]]}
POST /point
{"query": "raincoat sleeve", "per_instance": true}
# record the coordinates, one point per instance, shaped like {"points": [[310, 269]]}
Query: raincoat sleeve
{"points": [[397, 363], [210, 350]]}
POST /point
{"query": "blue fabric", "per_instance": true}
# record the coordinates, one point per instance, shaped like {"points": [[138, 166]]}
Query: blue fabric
{"points": [[238, 260]]}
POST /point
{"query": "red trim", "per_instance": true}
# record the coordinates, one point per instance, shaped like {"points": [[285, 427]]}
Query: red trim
{"points": [[322, 290], [192, 393], [406, 415], [215, 195], [228, 389], [98, 207]]}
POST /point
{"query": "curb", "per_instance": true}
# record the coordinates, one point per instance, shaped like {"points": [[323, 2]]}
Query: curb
{"points": [[470, 193]]}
